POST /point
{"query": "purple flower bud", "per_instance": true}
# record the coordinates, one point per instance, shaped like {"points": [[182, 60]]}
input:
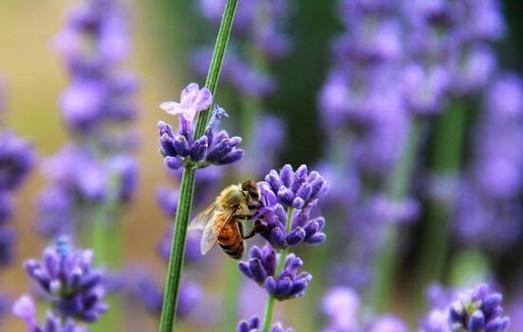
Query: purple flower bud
{"points": [[173, 162], [198, 149]]}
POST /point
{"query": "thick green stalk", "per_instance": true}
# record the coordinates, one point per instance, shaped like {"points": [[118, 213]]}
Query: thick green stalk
{"points": [[399, 181], [269, 305], [446, 159], [176, 258]]}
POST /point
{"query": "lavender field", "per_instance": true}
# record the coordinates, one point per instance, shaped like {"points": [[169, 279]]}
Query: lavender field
{"points": [[261, 166]]}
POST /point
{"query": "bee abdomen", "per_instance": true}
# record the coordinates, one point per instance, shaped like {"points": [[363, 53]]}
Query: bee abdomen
{"points": [[235, 251], [232, 244]]}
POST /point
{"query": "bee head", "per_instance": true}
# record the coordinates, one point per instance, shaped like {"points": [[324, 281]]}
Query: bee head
{"points": [[250, 188]]}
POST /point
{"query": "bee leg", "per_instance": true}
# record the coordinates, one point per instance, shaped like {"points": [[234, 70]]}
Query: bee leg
{"points": [[248, 236]]}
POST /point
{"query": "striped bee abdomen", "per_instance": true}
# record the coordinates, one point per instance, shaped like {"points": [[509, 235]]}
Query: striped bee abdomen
{"points": [[231, 240]]}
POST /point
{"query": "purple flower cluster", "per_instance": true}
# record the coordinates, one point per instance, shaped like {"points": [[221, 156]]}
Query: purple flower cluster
{"points": [[93, 43], [477, 309], [67, 280], [261, 268], [296, 193], [493, 183], [253, 325], [180, 149], [79, 180], [342, 307], [284, 221]]}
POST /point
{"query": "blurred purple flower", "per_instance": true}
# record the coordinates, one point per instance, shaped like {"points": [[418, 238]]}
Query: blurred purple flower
{"points": [[25, 309], [17, 158], [69, 281], [142, 286], [342, 306], [489, 193]]}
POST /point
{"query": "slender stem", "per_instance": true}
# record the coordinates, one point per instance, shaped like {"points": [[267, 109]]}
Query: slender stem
{"points": [[383, 275], [175, 266], [269, 305], [216, 61], [447, 150]]}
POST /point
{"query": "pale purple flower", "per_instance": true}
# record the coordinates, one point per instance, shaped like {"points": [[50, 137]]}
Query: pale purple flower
{"points": [[341, 305], [192, 100]]}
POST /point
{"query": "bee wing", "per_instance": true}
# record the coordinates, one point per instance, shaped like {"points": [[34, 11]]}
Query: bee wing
{"points": [[212, 230], [203, 218]]}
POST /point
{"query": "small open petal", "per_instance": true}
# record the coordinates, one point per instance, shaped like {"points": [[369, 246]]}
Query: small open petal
{"points": [[169, 106]]}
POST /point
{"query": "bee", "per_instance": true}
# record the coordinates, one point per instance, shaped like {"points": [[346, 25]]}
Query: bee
{"points": [[222, 221]]}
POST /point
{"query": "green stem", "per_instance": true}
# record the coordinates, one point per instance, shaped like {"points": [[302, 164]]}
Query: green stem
{"points": [[175, 266], [269, 305], [216, 62], [447, 151], [399, 181]]}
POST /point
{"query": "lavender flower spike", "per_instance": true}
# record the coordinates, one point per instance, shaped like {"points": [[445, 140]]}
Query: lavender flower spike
{"points": [[261, 268], [192, 100], [291, 192], [253, 325], [68, 280], [181, 149]]}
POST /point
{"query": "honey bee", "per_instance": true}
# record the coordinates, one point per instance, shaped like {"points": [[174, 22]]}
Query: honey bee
{"points": [[222, 221]]}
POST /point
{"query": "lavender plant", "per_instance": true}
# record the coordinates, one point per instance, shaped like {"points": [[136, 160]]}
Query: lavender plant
{"points": [[285, 222], [462, 34], [68, 282], [201, 131], [489, 191], [93, 177], [259, 41], [96, 169]]}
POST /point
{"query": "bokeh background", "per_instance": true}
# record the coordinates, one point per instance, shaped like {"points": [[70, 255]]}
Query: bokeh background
{"points": [[164, 34]]}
